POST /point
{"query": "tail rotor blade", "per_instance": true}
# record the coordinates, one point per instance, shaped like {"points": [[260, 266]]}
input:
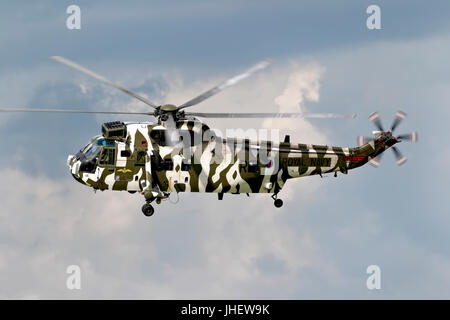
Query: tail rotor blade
{"points": [[412, 137], [401, 159], [375, 162], [384, 136], [399, 116], [361, 140], [375, 118]]}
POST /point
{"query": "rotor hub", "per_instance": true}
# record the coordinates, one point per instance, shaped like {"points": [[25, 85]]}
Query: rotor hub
{"points": [[169, 108]]}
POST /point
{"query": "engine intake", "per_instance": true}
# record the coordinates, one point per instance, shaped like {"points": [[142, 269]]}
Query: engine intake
{"points": [[115, 130]]}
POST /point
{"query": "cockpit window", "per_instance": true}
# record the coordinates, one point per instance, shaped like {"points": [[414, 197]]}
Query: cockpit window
{"points": [[86, 148], [93, 149], [89, 155], [92, 152], [105, 143]]}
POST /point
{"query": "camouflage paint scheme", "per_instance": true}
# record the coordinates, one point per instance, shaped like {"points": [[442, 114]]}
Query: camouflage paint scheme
{"points": [[155, 170]]}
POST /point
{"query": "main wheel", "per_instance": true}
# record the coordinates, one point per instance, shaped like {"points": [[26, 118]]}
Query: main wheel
{"points": [[278, 203], [148, 210]]}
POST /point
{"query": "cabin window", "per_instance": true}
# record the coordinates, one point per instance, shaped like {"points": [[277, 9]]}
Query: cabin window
{"points": [[107, 156], [159, 136], [125, 153]]}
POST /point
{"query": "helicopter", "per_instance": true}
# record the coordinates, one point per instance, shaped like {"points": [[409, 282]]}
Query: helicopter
{"points": [[180, 153]]}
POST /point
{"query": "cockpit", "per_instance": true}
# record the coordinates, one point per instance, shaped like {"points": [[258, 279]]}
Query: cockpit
{"points": [[98, 150]]}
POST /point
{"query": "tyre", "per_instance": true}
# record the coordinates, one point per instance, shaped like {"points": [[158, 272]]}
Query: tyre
{"points": [[148, 210], [278, 203]]}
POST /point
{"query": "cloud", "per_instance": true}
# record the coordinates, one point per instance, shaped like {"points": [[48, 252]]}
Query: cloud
{"points": [[317, 246], [303, 85]]}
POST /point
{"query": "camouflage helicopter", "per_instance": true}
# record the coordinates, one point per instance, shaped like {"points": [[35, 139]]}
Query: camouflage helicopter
{"points": [[179, 153]]}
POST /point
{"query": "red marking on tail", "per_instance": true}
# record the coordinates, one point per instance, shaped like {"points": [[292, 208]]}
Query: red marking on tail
{"points": [[354, 158]]}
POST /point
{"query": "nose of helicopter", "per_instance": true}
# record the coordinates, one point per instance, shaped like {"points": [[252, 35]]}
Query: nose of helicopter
{"points": [[74, 167], [72, 164], [70, 159]]}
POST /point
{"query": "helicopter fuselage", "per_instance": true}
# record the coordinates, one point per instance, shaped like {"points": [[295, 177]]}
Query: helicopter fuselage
{"points": [[140, 159]]}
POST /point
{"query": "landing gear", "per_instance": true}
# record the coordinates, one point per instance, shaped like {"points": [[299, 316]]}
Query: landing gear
{"points": [[150, 196], [147, 209], [277, 202]]}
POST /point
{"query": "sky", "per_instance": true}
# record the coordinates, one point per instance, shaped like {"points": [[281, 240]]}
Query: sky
{"points": [[320, 243]]}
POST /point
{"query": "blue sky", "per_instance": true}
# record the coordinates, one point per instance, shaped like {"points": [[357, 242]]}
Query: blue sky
{"points": [[320, 244]]}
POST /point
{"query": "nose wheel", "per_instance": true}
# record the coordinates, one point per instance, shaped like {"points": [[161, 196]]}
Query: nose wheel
{"points": [[148, 210]]}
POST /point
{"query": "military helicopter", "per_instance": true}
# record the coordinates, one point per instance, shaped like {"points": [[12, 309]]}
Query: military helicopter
{"points": [[179, 153]]}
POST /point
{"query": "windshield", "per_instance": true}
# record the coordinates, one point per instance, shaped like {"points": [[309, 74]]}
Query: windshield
{"points": [[92, 150]]}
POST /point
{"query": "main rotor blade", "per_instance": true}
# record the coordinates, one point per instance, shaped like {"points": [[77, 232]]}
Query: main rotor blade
{"points": [[269, 115], [228, 83], [23, 110], [102, 79]]}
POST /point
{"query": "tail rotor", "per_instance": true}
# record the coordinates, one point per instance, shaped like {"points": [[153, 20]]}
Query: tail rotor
{"points": [[382, 134]]}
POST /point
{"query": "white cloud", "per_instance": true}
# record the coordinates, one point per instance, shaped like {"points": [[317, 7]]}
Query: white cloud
{"points": [[303, 85]]}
